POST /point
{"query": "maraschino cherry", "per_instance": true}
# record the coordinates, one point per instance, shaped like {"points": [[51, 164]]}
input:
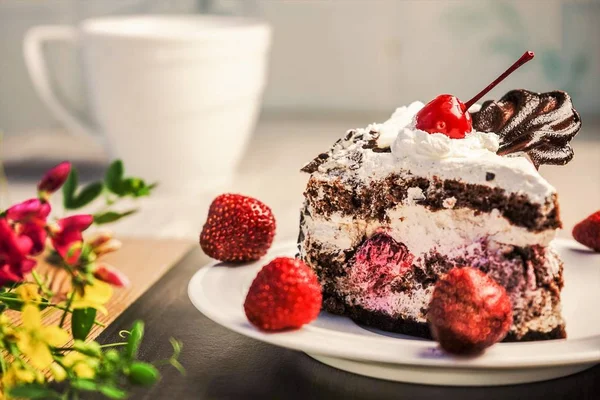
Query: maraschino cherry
{"points": [[446, 114]]}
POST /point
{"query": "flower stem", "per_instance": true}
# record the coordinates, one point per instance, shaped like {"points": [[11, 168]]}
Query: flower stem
{"points": [[66, 311], [13, 350], [3, 363], [42, 285], [104, 346], [113, 345], [12, 299]]}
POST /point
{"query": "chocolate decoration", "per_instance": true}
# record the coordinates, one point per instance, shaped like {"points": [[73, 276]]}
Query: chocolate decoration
{"points": [[538, 124]]}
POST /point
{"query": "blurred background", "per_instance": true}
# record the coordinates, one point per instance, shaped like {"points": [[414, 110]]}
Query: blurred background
{"points": [[332, 65]]}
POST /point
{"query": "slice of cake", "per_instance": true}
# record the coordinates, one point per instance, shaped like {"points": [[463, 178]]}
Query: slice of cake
{"points": [[391, 208]]}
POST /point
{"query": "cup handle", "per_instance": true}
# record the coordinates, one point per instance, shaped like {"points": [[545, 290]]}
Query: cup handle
{"points": [[33, 43]]}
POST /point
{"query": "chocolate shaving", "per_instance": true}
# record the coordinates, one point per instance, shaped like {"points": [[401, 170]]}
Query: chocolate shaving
{"points": [[538, 124], [313, 166], [347, 148]]}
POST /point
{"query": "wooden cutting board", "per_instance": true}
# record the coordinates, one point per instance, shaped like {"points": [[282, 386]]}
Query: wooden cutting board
{"points": [[144, 261]]}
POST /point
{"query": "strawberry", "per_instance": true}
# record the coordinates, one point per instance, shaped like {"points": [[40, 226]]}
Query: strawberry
{"points": [[285, 294], [587, 232], [469, 311], [238, 229]]}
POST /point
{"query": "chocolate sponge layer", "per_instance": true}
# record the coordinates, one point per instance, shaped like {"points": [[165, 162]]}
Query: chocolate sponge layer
{"points": [[371, 201]]}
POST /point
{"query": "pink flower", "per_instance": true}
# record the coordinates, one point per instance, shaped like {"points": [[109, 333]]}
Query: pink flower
{"points": [[110, 275], [55, 178], [32, 210], [14, 263], [76, 222], [67, 239], [30, 217], [13, 248], [9, 274], [37, 235]]}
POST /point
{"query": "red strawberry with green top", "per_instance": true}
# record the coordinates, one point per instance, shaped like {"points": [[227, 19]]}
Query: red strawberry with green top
{"points": [[285, 294], [238, 228]]}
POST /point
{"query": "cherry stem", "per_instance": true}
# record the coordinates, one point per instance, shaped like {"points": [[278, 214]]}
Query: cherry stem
{"points": [[527, 56]]}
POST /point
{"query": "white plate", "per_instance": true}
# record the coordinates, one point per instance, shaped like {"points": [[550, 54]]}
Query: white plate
{"points": [[218, 291]]}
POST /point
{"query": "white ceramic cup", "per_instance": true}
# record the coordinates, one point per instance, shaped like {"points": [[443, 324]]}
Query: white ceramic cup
{"points": [[176, 97]]}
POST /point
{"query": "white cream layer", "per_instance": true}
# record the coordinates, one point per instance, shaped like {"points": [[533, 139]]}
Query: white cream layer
{"points": [[422, 230]]}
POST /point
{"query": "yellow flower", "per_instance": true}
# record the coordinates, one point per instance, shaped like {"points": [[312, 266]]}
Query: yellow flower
{"points": [[82, 365], [58, 372], [28, 292], [17, 374], [34, 339], [95, 296], [5, 326]]}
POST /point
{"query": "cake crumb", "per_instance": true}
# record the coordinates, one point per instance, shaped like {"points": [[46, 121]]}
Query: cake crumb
{"points": [[414, 194], [450, 202]]}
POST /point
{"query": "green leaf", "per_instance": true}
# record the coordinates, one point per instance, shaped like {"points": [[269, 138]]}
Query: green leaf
{"points": [[132, 185], [84, 384], [69, 188], [112, 356], [91, 349], [136, 187], [82, 322], [87, 195], [112, 392], [114, 177], [117, 184], [71, 200], [141, 373], [14, 302], [33, 391], [134, 340], [111, 216], [146, 190], [43, 304]]}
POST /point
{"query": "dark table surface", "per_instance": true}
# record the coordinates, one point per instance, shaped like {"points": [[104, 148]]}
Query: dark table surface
{"points": [[222, 364]]}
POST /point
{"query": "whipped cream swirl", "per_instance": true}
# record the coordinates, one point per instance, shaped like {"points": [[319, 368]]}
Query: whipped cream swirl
{"points": [[411, 142]]}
